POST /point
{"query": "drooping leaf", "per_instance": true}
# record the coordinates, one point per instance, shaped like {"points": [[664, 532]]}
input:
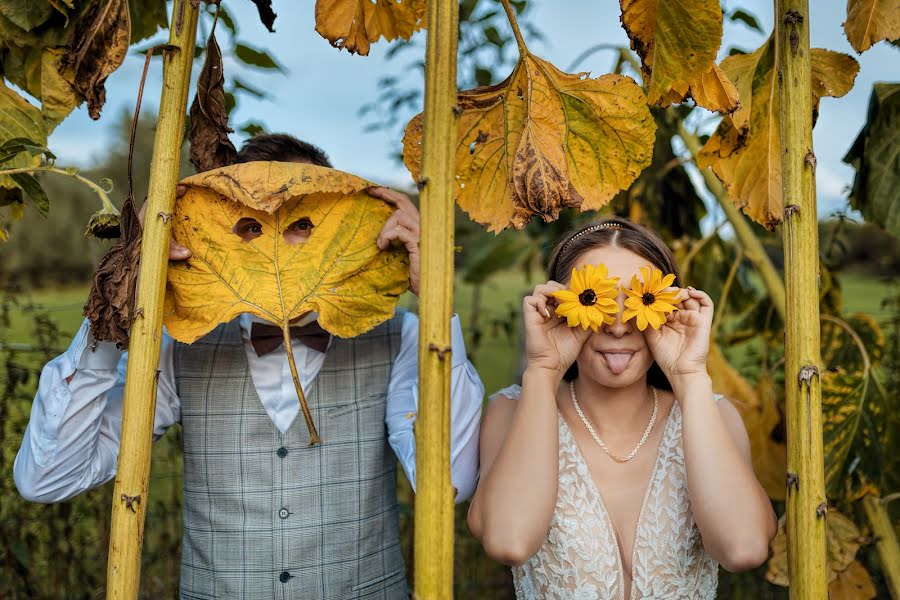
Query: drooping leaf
{"points": [[356, 24], [110, 304], [57, 94], [19, 120], [853, 583], [266, 14], [842, 540], [244, 87], [543, 140], [678, 46], [744, 152], [34, 190], [870, 21], [97, 47], [210, 146], [746, 18], [338, 272], [26, 14], [876, 157], [11, 148]]}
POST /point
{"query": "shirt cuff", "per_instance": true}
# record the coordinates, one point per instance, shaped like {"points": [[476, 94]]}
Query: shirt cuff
{"points": [[91, 355]]}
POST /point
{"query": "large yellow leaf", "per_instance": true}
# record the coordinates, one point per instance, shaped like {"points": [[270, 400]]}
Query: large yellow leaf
{"points": [[355, 24], [677, 42], [543, 140], [337, 272], [870, 21], [842, 540], [744, 152], [759, 410]]}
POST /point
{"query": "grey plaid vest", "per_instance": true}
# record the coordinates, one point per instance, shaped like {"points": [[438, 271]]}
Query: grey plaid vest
{"points": [[265, 516]]}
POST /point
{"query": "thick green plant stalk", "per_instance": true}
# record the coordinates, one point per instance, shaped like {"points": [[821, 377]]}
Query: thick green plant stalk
{"points": [[886, 544], [806, 505], [130, 500], [434, 491]]}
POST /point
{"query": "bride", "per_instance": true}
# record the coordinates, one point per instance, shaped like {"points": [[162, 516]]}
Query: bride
{"points": [[614, 472]]}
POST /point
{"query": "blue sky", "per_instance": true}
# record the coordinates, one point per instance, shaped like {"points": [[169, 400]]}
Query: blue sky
{"points": [[318, 96]]}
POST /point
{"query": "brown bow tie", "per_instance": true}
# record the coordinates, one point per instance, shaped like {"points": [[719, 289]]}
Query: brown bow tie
{"points": [[267, 338]]}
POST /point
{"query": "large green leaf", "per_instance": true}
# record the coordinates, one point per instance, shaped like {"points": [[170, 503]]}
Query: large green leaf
{"points": [[876, 157], [26, 14]]}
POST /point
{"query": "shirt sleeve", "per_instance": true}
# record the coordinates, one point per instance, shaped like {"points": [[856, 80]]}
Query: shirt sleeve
{"points": [[466, 397], [71, 443]]}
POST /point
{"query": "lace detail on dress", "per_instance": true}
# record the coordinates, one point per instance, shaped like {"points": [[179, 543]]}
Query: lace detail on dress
{"points": [[580, 557]]}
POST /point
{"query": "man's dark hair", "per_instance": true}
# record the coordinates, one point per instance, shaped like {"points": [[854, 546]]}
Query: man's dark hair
{"points": [[281, 147]]}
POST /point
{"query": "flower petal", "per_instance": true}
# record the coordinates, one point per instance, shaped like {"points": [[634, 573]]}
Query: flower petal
{"points": [[642, 319], [662, 307], [655, 319], [565, 296], [667, 281]]}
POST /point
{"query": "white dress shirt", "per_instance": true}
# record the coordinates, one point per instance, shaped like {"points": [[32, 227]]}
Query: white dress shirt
{"points": [[71, 443]]}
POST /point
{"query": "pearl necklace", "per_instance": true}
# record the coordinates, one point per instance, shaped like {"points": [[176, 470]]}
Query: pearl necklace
{"points": [[596, 437]]}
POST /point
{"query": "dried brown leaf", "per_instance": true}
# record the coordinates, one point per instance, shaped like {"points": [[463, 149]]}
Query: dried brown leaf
{"points": [[210, 146], [266, 14]]}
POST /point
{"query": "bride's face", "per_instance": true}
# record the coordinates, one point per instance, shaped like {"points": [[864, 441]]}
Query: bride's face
{"points": [[618, 355]]}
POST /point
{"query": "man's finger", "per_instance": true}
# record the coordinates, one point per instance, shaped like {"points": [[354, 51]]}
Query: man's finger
{"points": [[392, 197], [180, 190], [177, 251]]}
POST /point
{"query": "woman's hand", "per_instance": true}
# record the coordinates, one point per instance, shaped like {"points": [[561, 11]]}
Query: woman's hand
{"points": [[550, 344], [681, 345]]}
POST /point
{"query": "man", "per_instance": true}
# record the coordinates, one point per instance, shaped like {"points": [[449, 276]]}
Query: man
{"points": [[266, 516]]}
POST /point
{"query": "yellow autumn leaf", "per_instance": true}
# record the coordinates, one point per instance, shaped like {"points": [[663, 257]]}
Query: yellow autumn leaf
{"points": [[853, 583], [338, 272], [871, 21], [842, 540], [759, 410], [543, 140], [355, 24], [744, 151], [677, 44]]}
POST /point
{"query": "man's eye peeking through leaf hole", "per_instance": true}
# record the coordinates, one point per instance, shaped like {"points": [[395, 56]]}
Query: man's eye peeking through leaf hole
{"points": [[247, 228], [298, 231]]}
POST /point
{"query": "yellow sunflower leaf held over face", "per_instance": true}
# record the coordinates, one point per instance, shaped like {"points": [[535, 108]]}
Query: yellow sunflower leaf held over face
{"points": [[678, 46], [745, 150], [647, 300], [590, 300], [356, 24], [541, 141], [279, 240]]}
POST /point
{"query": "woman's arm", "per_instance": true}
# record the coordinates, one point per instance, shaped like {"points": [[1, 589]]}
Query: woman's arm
{"points": [[731, 508]]}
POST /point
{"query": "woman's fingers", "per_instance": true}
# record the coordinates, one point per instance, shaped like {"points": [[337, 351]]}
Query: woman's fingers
{"points": [[704, 302]]}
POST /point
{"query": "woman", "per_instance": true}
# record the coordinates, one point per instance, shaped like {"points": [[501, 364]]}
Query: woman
{"points": [[614, 472]]}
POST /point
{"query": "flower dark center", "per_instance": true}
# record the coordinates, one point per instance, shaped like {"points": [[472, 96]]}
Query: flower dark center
{"points": [[648, 299], [587, 297]]}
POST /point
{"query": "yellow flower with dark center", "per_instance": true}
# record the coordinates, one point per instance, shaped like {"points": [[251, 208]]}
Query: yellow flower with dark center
{"points": [[590, 300], [647, 299]]}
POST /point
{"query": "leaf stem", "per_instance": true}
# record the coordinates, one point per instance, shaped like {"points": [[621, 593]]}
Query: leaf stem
{"points": [[104, 198], [511, 15], [313, 434]]}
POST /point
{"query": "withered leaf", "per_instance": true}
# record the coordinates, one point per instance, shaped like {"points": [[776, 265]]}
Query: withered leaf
{"points": [[110, 304], [678, 49], [745, 151], [355, 24], [210, 146], [543, 140], [96, 48], [870, 21], [853, 583], [266, 14]]}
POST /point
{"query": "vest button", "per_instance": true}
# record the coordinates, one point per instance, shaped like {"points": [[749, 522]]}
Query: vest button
{"points": [[282, 452], [284, 577], [283, 513]]}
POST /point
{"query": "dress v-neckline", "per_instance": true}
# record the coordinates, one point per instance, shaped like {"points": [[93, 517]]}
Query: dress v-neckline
{"points": [[592, 485]]}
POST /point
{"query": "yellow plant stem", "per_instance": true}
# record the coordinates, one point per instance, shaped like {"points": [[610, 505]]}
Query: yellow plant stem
{"points": [[130, 501], [886, 544], [434, 497], [753, 248], [806, 505], [313, 434]]}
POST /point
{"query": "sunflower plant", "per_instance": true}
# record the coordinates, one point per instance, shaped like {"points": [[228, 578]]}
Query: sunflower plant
{"points": [[647, 298], [590, 300]]}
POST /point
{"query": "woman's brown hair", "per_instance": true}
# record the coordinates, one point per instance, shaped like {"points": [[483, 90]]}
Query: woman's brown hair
{"points": [[619, 233]]}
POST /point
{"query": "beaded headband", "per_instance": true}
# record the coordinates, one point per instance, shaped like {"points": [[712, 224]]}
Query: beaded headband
{"points": [[591, 229]]}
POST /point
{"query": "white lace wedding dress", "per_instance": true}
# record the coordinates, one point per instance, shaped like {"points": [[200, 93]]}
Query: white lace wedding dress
{"points": [[580, 558]]}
